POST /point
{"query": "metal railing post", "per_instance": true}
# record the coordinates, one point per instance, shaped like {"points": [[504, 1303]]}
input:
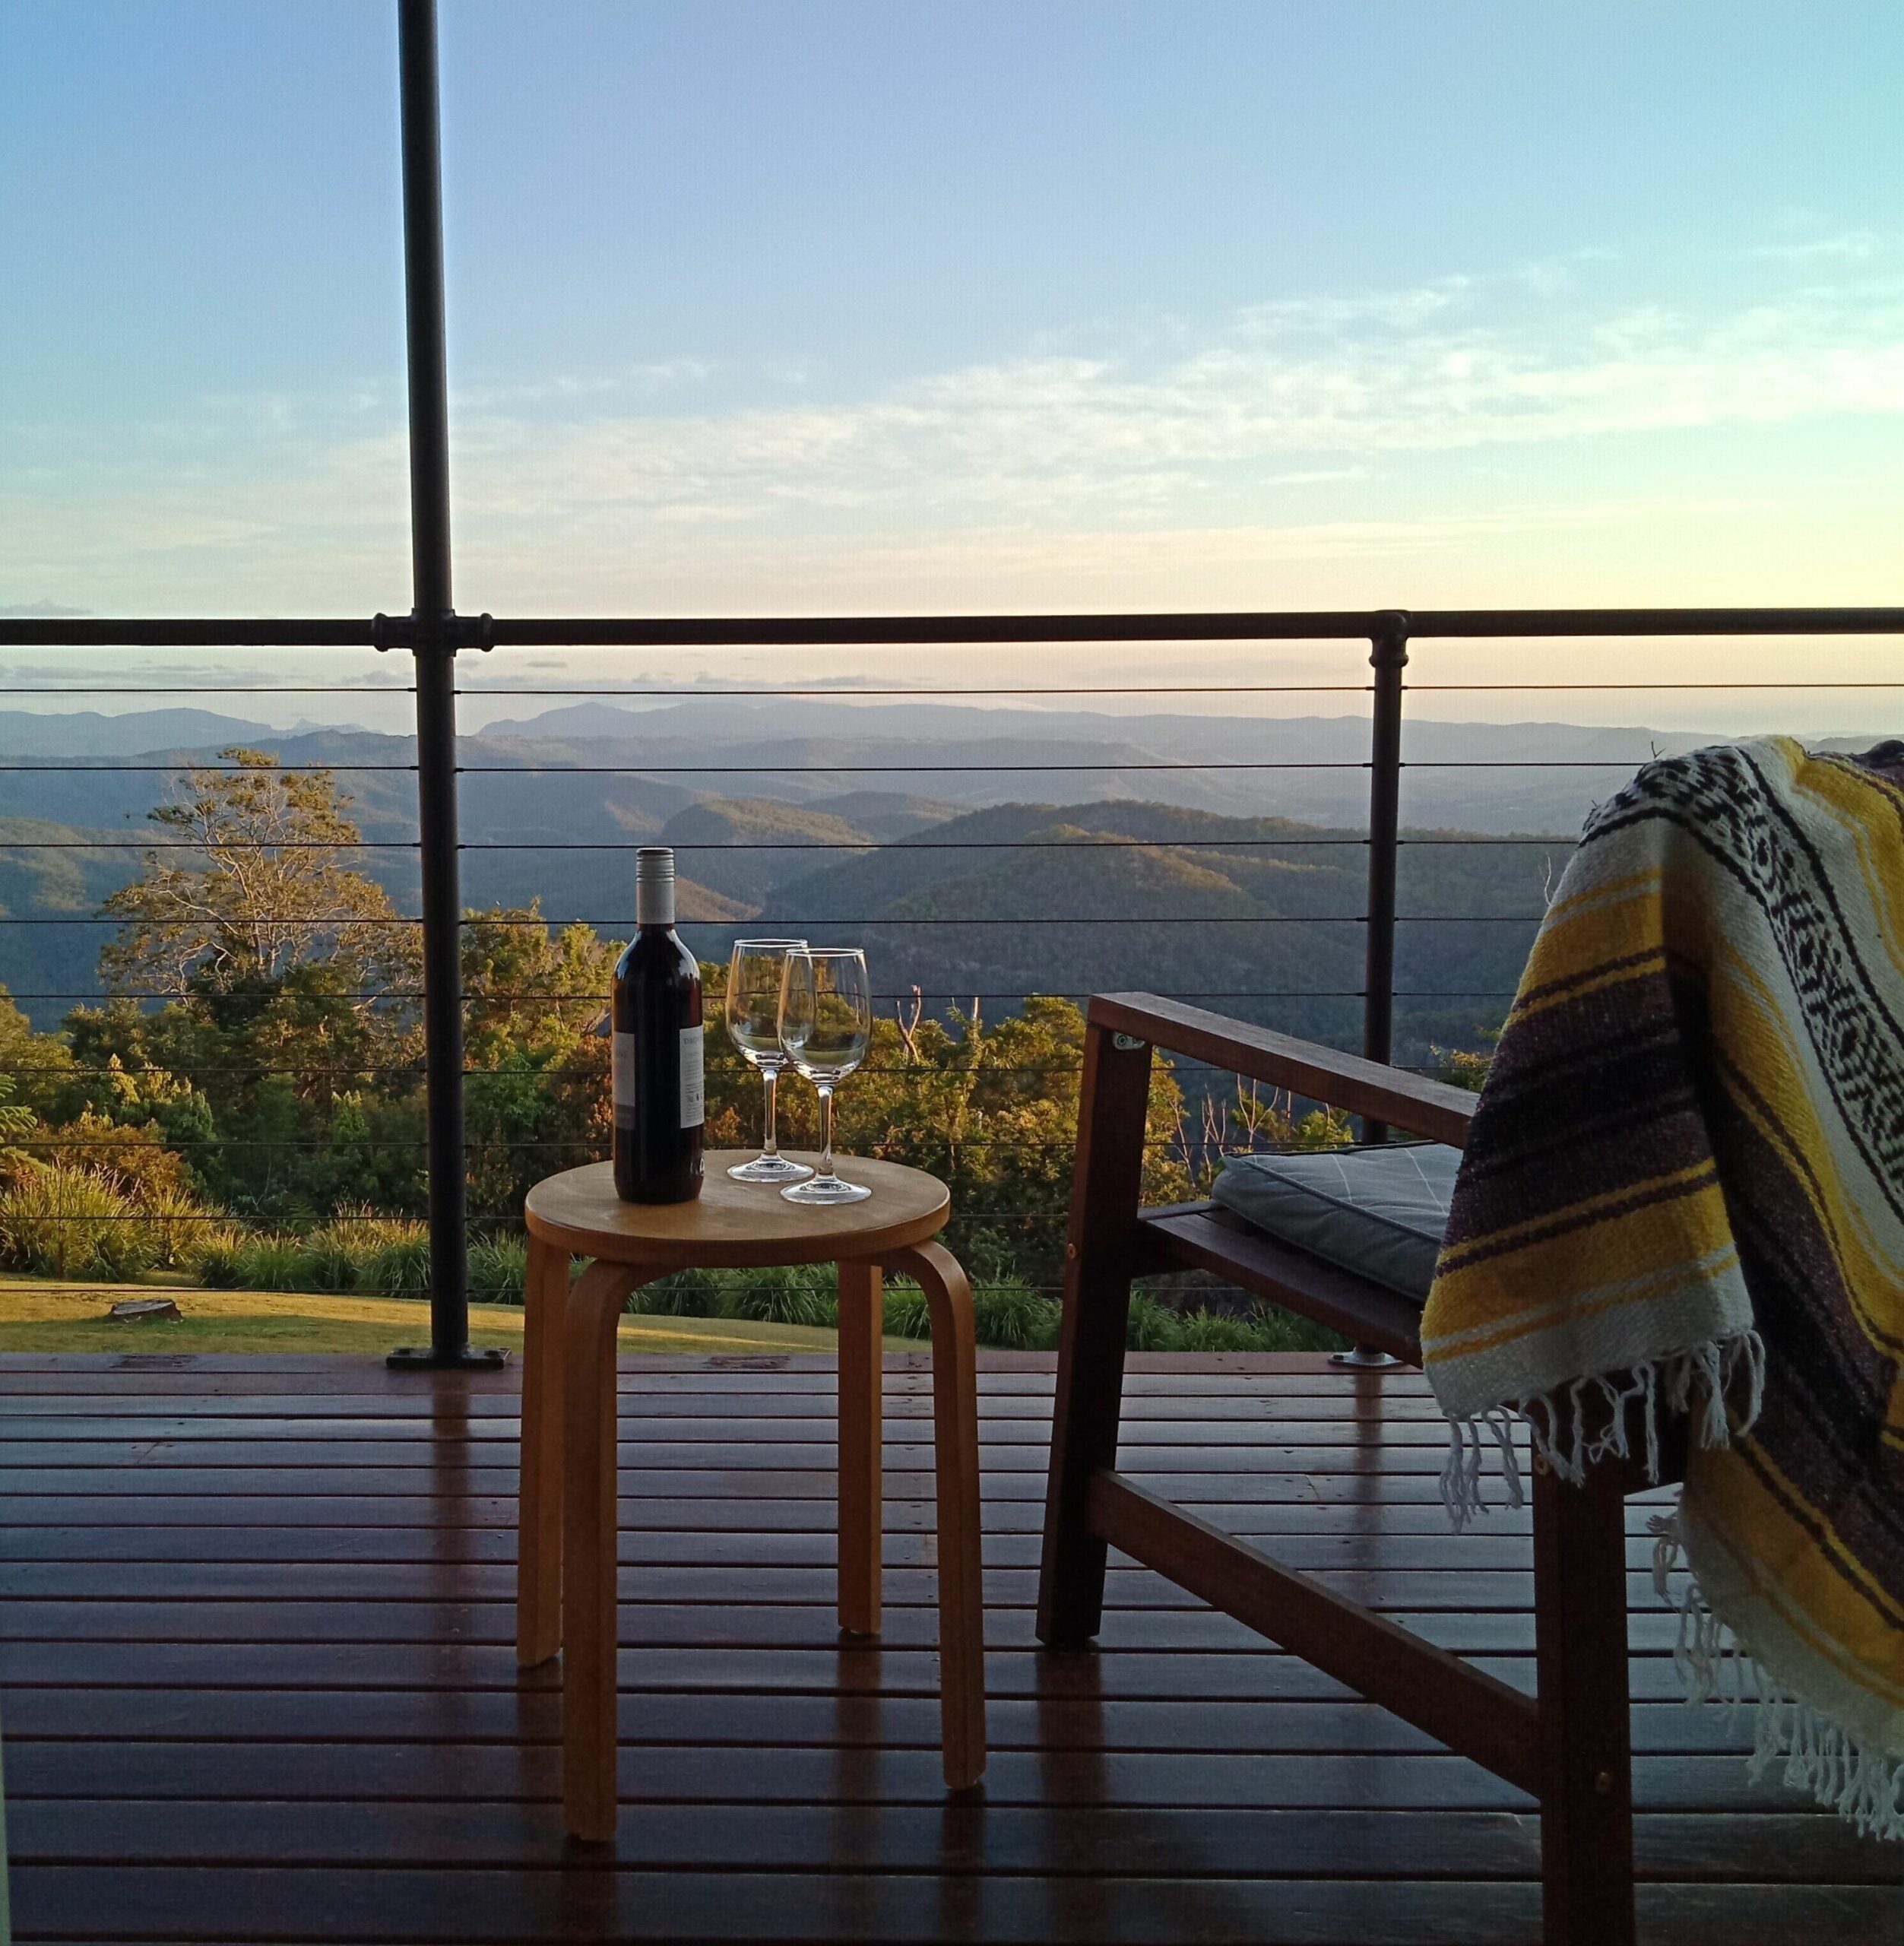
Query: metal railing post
{"points": [[1388, 656], [433, 634]]}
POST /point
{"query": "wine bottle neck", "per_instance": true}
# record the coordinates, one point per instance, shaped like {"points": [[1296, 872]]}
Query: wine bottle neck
{"points": [[654, 887]]}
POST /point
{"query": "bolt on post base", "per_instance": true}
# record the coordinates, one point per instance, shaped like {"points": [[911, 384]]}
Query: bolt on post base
{"points": [[424, 1358], [1364, 1358]]}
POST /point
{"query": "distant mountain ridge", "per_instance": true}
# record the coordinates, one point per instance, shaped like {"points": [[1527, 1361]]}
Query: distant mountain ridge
{"points": [[636, 768], [91, 732], [910, 821], [1263, 917]]}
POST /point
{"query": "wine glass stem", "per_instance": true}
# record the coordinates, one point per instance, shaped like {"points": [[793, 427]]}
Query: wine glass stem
{"points": [[770, 1081], [826, 1089]]}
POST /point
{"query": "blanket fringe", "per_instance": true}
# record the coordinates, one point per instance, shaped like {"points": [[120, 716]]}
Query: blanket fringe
{"points": [[1864, 1784], [1696, 1383]]}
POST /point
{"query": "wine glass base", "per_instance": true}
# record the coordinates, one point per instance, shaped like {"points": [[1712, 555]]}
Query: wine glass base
{"points": [[770, 1169], [823, 1190]]}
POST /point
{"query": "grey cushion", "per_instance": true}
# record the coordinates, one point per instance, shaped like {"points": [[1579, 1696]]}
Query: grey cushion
{"points": [[1379, 1212]]}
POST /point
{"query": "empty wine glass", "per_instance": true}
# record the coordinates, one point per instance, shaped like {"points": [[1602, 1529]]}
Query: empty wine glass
{"points": [[826, 1023], [756, 972]]}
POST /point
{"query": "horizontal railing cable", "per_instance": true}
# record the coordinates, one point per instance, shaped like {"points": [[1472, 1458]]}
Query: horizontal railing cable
{"points": [[884, 921], [1171, 843], [1289, 839]]}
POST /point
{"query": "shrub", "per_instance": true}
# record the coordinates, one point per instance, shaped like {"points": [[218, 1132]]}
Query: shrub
{"points": [[270, 1262], [1009, 1316], [1154, 1327], [400, 1268], [70, 1222], [133, 1158], [798, 1293], [989, 1255], [1014, 1318], [362, 1229], [1216, 1331], [680, 1294], [334, 1260], [175, 1220], [1280, 1330], [212, 1257], [906, 1314], [499, 1269]]}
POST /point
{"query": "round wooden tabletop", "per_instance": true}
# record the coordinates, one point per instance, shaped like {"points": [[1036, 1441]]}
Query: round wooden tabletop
{"points": [[737, 1226]]}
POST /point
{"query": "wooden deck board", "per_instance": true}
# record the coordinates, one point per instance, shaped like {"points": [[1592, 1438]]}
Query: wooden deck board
{"points": [[255, 1619]]}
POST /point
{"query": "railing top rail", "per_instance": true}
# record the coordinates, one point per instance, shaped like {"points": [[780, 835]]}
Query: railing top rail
{"points": [[583, 632]]}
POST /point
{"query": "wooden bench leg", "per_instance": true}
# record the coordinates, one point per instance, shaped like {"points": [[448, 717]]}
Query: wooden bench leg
{"points": [[861, 1376], [1112, 1107], [538, 1570], [962, 1594], [588, 1606], [1585, 1715]]}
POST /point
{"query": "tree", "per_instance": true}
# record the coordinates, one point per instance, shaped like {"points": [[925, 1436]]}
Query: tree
{"points": [[536, 1100], [289, 978], [39, 1067], [255, 883], [991, 1110]]}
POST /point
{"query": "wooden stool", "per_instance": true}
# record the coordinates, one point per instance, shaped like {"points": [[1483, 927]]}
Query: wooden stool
{"points": [[568, 1424]]}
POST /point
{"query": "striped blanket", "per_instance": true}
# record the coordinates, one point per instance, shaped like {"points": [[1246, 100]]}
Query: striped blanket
{"points": [[1683, 1191]]}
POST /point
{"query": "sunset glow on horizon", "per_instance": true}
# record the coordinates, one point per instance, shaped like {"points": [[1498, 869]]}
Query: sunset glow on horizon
{"points": [[844, 309]]}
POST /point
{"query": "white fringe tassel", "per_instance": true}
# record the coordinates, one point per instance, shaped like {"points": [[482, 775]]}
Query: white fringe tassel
{"points": [[1695, 1383], [1862, 1784]]}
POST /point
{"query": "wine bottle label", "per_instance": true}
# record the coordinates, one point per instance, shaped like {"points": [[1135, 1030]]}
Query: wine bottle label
{"points": [[694, 1091], [623, 1063]]}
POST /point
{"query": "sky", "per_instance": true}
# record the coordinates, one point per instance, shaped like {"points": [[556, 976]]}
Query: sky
{"points": [[795, 306]]}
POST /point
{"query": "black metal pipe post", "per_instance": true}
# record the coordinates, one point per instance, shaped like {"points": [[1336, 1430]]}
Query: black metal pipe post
{"points": [[424, 328], [434, 634], [1388, 656]]}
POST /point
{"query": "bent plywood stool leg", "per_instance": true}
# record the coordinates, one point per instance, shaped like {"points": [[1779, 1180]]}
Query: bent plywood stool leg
{"points": [[861, 1376], [588, 1606], [962, 1595], [538, 1582]]}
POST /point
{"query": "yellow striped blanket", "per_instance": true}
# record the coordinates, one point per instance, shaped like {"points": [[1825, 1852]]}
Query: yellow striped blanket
{"points": [[1684, 1190]]}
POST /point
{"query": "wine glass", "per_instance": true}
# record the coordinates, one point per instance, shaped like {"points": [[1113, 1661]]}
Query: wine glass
{"points": [[755, 974], [826, 1023]]}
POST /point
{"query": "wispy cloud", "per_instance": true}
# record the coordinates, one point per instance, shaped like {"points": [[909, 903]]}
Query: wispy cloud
{"points": [[641, 382], [1188, 437], [1853, 246], [1278, 395]]}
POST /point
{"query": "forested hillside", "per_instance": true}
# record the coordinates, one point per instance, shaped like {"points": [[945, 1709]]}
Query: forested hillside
{"points": [[1262, 915], [1222, 856]]}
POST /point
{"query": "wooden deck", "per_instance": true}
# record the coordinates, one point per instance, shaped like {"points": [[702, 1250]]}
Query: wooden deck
{"points": [[258, 1683]]}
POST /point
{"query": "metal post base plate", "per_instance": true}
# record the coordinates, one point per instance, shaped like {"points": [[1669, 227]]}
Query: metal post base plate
{"points": [[421, 1358], [1364, 1358]]}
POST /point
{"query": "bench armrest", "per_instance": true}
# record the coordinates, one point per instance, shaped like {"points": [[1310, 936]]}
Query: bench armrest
{"points": [[1384, 1093]]}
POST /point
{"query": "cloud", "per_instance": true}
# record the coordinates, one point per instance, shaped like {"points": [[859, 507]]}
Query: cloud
{"points": [[1318, 422], [40, 611], [1276, 396], [1858, 246], [652, 380]]}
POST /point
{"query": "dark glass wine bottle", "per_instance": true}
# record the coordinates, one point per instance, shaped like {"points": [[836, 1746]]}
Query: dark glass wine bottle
{"points": [[659, 1093]]}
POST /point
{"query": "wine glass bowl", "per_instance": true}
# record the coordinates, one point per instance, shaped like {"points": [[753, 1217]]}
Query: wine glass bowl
{"points": [[825, 1025], [755, 975]]}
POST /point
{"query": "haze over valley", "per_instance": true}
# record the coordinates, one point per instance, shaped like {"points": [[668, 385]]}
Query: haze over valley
{"points": [[1201, 854]]}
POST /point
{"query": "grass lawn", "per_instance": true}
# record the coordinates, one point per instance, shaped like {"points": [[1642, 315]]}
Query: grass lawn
{"points": [[36, 1316]]}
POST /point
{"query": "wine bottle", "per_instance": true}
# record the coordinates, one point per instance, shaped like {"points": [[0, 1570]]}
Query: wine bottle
{"points": [[659, 1094]]}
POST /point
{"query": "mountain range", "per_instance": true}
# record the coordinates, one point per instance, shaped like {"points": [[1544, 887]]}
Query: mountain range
{"points": [[990, 852]]}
